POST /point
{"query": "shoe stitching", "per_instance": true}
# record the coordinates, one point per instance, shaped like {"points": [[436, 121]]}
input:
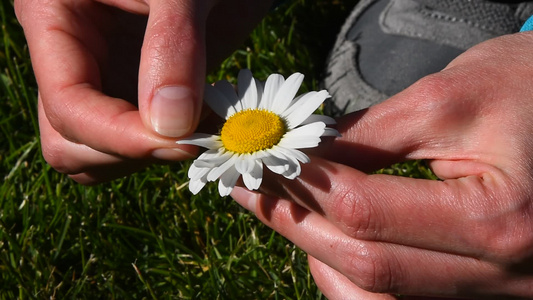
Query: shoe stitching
{"points": [[452, 19]]}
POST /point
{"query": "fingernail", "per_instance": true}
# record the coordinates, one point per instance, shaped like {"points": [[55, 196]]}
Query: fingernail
{"points": [[172, 111], [172, 154], [245, 198]]}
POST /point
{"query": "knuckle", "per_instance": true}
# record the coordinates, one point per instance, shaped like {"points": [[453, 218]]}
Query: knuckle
{"points": [[369, 270], [354, 214], [54, 154], [504, 227], [435, 90], [510, 245]]}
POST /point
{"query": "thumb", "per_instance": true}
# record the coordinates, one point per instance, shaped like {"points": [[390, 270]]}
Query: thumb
{"points": [[172, 67]]}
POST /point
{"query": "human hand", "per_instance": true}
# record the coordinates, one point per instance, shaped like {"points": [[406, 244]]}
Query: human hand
{"points": [[120, 80], [468, 235]]}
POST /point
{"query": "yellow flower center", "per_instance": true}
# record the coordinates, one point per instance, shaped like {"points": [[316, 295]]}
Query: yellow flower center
{"points": [[252, 130]]}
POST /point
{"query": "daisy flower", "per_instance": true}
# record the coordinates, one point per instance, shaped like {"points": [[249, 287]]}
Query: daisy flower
{"points": [[265, 125]]}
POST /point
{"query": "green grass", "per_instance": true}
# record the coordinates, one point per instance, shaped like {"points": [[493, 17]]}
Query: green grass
{"points": [[145, 236]]}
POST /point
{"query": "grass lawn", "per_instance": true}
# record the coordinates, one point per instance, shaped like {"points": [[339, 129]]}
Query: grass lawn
{"points": [[146, 236]]}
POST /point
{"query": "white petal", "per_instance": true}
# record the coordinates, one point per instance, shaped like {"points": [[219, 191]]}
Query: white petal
{"points": [[286, 93], [252, 180], [220, 100], [218, 171], [291, 107], [209, 141], [300, 142], [294, 168], [247, 89], [304, 107], [293, 153], [331, 132], [260, 154], [272, 86], [202, 164], [307, 136], [319, 118], [195, 186], [245, 163], [311, 129], [276, 164], [227, 181], [211, 159], [195, 172]]}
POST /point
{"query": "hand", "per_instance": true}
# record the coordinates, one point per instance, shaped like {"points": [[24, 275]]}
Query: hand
{"points": [[120, 80], [468, 235]]}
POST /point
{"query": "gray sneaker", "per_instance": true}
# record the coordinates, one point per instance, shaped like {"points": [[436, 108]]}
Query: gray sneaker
{"points": [[386, 45]]}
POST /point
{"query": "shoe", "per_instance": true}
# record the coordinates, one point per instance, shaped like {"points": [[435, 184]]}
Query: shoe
{"points": [[386, 45]]}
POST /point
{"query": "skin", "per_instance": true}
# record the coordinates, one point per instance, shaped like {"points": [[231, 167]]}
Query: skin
{"points": [[368, 236], [122, 55], [467, 235]]}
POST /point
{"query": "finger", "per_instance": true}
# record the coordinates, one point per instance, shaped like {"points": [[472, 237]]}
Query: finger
{"points": [[86, 165], [376, 266], [65, 156], [420, 213], [172, 69], [334, 285], [104, 173], [66, 52]]}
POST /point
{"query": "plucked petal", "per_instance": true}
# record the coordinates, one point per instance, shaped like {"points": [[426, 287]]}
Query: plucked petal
{"points": [[301, 109], [272, 85], [286, 93], [247, 90], [227, 181], [209, 141], [218, 101]]}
